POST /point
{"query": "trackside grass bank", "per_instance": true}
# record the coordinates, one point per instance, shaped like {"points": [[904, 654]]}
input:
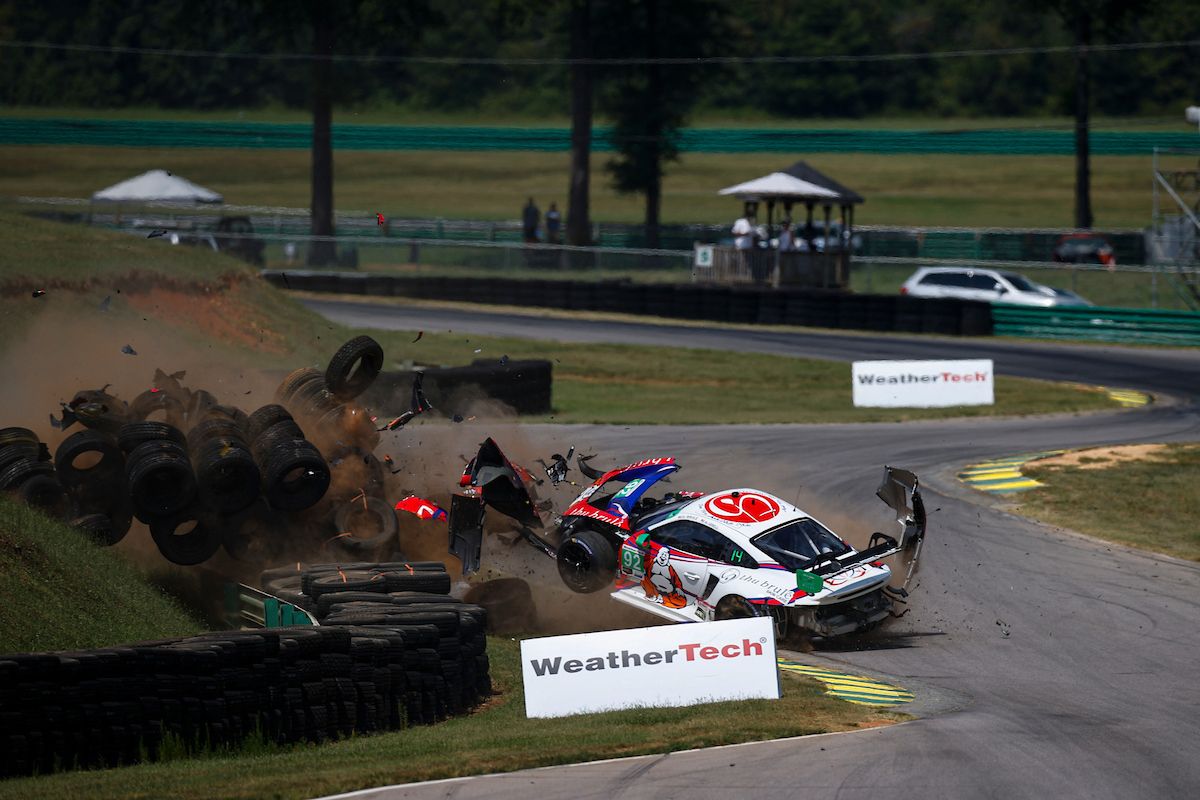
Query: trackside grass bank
{"points": [[1146, 500], [497, 738], [59, 591]]}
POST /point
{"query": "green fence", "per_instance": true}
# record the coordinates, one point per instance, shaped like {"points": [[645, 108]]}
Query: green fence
{"points": [[298, 136], [1098, 324]]}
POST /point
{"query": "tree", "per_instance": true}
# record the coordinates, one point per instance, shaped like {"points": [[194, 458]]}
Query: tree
{"points": [[648, 109], [578, 192], [364, 28], [1079, 16]]}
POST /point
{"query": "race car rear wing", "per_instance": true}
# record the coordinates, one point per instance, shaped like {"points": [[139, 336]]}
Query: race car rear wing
{"points": [[901, 492]]}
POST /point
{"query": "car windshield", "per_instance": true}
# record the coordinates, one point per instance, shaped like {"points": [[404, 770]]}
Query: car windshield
{"points": [[801, 543], [1021, 283]]}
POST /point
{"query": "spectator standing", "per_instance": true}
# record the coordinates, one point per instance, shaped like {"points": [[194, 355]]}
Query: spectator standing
{"points": [[531, 217], [553, 223], [786, 237]]}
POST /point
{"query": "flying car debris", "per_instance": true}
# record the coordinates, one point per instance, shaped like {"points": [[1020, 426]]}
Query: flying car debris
{"points": [[38, 293], [156, 234], [105, 303], [558, 467], [417, 405], [419, 335], [129, 351], [422, 509]]}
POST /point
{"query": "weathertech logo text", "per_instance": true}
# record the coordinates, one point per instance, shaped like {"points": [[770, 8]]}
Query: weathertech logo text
{"points": [[693, 651], [939, 377]]}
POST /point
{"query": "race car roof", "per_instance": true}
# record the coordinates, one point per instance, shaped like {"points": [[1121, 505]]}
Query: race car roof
{"points": [[741, 514]]}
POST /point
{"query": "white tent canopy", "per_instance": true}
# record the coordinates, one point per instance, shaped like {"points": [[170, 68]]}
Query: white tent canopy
{"points": [[157, 185], [780, 185]]}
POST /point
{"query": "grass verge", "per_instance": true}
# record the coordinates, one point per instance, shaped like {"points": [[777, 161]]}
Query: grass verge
{"points": [[925, 190], [496, 738], [1149, 502], [61, 591]]}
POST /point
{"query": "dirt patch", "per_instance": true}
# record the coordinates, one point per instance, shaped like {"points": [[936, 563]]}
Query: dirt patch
{"points": [[220, 315], [1105, 457]]}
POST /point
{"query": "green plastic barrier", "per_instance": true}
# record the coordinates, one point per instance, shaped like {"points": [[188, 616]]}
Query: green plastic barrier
{"points": [[1098, 324], [298, 136]]}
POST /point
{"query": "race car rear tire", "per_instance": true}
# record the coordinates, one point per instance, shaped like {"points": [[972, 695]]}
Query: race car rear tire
{"points": [[587, 561], [736, 607]]}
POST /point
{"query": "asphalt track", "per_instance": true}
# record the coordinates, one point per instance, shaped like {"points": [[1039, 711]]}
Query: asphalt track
{"points": [[1062, 666]]}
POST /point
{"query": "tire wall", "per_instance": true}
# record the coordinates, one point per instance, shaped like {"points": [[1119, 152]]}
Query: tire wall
{"points": [[748, 304], [113, 706]]}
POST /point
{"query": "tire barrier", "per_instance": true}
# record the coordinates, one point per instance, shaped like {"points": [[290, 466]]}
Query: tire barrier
{"points": [[751, 304], [203, 475], [385, 663]]}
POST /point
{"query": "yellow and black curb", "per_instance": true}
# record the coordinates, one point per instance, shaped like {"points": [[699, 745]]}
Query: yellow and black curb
{"points": [[1128, 398], [851, 688], [1003, 475]]}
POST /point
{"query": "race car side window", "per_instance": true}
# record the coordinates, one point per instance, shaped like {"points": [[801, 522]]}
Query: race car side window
{"points": [[800, 543], [701, 540]]}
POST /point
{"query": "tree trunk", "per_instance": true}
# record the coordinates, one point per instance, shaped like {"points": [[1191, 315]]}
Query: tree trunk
{"points": [[654, 161], [1083, 190], [579, 231], [322, 253]]}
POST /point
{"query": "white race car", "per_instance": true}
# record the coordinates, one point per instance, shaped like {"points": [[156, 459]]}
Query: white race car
{"points": [[689, 556]]}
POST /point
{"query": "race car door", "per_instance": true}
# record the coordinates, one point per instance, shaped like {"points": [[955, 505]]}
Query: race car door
{"points": [[678, 576]]}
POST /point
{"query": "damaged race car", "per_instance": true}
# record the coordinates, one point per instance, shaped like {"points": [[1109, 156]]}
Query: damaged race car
{"points": [[692, 556]]}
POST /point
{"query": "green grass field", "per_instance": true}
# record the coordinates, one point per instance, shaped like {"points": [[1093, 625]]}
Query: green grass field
{"points": [[61, 591], [922, 190], [1150, 503]]}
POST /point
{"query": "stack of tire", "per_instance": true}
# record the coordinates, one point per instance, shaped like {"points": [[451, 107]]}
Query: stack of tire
{"points": [[27, 473], [447, 659], [91, 467], [102, 708]]}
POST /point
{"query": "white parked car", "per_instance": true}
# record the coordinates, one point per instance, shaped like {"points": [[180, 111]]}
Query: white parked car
{"points": [[988, 285]]}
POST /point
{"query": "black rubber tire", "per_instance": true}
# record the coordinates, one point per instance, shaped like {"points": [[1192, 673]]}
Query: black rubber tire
{"points": [[509, 604], [377, 520], [100, 529], [253, 535], [44, 492], [191, 548], [111, 462], [428, 582], [17, 473], [354, 367], [280, 433], [151, 402], [295, 380], [264, 418], [215, 428], [161, 480], [16, 435], [735, 607], [309, 400], [295, 476], [136, 433], [111, 415], [24, 451], [587, 561], [226, 475]]}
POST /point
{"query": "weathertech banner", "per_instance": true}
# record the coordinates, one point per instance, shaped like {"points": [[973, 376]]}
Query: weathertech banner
{"points": [[670, 665], [923, 384]]}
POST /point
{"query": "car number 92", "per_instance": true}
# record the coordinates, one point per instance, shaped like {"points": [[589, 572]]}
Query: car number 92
{"points": [[632, 562]]}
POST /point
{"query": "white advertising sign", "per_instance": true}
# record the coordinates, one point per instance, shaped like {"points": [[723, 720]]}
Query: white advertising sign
{"points": [[924, 384], [669, 665], [703, 256]]}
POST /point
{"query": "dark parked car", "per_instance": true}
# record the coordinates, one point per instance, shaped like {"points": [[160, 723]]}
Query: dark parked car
{"points": [[235, 235], [1084, 248]]}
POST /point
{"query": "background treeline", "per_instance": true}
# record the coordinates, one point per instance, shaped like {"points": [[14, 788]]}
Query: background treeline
{"points": [[1123, 83]]}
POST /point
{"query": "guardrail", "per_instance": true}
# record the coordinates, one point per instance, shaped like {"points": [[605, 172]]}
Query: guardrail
{"points": [[1095, 324]]}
